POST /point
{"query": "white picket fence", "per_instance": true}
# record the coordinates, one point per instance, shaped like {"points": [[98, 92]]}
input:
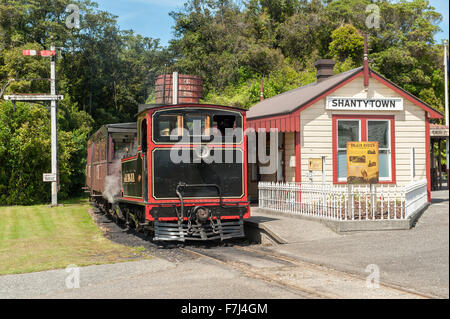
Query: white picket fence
{"points": [[415, 196], [353, 202]]}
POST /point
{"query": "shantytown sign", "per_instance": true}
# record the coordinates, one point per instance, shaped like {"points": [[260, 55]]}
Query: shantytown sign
{"points": [[360, 104]]}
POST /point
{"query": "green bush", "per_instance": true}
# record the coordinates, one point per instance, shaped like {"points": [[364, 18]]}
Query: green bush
{"points": [[25, 152]]}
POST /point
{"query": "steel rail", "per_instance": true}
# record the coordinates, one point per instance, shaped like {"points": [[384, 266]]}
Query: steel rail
{"points": [[243, 268], [339, 272]]}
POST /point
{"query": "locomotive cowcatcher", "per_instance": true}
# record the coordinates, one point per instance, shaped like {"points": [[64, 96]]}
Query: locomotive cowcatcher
{"points": [[183, 175]]}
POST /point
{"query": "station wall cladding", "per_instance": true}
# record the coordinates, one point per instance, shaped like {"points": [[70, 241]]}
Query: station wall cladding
{"points": [[189, 88]]}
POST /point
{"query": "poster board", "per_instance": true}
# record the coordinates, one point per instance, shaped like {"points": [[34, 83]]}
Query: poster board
{"points": [[315, 164], [362, 163]]}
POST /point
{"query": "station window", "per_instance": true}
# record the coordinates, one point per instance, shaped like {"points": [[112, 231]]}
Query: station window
{"points": [[379, 131], [364, 129], [347, 131]]}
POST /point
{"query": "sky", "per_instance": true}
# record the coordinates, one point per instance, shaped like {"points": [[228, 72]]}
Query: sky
{"points": [[151, 17], [146, 17]]}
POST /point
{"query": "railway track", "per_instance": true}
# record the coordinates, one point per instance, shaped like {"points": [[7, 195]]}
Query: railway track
{"points": [[305, 279], [320, 282], [244, 268], [315, 266]]}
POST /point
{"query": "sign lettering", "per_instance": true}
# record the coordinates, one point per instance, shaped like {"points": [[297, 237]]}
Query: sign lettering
{"points": [[378, 104], [49, 178], [128, 178], [439, 132]]}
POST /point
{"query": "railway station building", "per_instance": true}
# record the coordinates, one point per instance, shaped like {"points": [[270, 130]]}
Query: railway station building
{"points": [[315, 122]]}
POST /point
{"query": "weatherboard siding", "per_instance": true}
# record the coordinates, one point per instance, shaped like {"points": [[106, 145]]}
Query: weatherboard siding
{"points": [[316, 133], [316, 140]]}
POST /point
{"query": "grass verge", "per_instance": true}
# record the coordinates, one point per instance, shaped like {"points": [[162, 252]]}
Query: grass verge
{"points": [[38, 238]]}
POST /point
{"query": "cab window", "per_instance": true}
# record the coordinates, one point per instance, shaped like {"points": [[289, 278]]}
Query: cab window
{"points": [[197, 124], [170, 126]]}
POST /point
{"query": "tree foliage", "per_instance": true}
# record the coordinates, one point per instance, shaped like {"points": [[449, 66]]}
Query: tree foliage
{"points": [[25, 152], [102, 71], [232, 47], [347, 43], [105, 72]]}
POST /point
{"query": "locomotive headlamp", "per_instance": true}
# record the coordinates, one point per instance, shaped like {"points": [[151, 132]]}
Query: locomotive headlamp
{"points": [[202, 151], [201, 214]]}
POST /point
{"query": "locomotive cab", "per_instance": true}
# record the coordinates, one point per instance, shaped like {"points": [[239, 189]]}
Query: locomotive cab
{"points": [[188, 176]]}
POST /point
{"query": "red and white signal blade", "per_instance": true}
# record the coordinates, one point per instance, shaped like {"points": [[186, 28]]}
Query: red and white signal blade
{"points": [[30, 52], [35, 52], [47, 53]]}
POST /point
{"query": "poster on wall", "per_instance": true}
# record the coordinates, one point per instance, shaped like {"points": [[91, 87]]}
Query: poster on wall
{"points": [[315, 164], [362, 163]]}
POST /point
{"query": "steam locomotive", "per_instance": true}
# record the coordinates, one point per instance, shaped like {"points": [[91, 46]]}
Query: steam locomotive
{"points": [[180, 171]]}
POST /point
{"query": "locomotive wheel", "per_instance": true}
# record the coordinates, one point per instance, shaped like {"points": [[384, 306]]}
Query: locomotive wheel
{"points": [[131, 220], [118, 213]]}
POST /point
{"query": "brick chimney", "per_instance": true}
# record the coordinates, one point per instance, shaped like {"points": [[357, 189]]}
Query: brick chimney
{"points": [[324, 69]]}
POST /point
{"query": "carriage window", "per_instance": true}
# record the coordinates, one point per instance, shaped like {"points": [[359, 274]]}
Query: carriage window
{"points": [[124, 148], [100, 150]]}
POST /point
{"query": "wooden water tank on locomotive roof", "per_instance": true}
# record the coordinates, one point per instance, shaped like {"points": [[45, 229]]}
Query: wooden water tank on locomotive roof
{"points": [[190, 89]]}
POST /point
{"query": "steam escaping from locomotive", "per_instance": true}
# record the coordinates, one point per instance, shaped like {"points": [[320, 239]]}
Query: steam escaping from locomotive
{"points": [[112, 188], [113, 182]]}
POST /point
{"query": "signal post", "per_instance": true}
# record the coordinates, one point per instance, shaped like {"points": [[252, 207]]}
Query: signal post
{"points": [[52, 97]]}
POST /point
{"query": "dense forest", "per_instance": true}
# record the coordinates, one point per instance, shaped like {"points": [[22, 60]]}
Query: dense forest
{"points": [[105, 72]]}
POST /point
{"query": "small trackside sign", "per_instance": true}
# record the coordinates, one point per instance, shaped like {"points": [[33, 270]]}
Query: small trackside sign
{"points": [[49, 177]]}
